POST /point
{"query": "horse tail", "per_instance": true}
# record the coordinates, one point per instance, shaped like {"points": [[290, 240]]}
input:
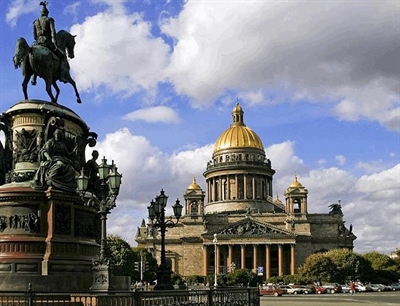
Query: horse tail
{"points": [[21, 51]]}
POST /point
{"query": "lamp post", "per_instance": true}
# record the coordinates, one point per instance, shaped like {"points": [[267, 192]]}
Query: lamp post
{"points": [[157, 216], [215, 241], [103, 201]]}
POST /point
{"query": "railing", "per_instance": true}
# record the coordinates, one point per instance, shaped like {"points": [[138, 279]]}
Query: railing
{"points": [[234, 296]]}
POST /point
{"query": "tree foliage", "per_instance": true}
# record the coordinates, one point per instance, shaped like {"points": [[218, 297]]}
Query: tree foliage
{"points": [[349, 266], [380, 261], [318, 267], [343, 265], [121, 255], [240, 277], [385, 268], [123, 258]]}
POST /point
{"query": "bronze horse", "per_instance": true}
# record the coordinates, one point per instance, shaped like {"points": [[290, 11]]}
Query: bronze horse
{"points": [[43, 62]]}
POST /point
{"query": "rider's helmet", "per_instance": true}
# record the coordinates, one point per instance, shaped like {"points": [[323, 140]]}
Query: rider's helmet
{"points": [[45, 11]]}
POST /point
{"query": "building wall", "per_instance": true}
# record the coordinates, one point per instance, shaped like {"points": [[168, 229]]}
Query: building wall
{"points": [[185, 243]]}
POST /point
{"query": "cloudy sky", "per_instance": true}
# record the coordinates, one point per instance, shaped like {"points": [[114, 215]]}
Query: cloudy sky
{"points": [[319, 82]]}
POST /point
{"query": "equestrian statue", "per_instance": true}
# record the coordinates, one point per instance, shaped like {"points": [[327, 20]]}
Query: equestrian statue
{"points": [[47, 58]]}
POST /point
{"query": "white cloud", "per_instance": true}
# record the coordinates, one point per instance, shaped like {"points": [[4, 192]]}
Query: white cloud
{"points": [[145, 170], [16, 8], [154, 114], [191, 163], [324, 51], [118, 52], [371, 166], [341, 159], [283, 159], [72, 9], [375, 210]]}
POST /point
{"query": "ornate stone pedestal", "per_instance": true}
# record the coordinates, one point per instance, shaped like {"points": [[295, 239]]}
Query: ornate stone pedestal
{"points": [[47, 236], [101, 276]]}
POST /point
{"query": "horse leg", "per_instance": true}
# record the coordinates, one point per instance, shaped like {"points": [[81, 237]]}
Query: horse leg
{"points": [[57, 89], [72, 82], [25, 86], [48, 90], [34, 78]]}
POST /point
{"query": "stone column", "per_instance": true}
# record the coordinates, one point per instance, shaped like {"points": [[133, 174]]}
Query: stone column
{"points": [[292, 259], [242, 256], [280, 259], [267, 261], [218, 256], [209, 191], [228, 188], [220, 196], [304, 205], [214, 189], [205, 259], [255, 257], [230, 259], [237, 187], [253, 182], [245, 186]]}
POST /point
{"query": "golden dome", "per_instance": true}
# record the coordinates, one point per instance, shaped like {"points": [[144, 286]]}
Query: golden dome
{"points": [[238, 135], [295, 183], [194, 185]]}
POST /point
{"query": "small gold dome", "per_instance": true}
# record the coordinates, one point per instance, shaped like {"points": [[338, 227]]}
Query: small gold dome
{"points": [[277, 200], [238, 135], [194, 185], [295, 183]]}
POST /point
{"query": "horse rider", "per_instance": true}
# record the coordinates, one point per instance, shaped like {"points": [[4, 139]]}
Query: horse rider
{"points": [[44, 33]]}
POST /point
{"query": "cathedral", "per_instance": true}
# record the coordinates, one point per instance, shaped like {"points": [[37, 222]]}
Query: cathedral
{"points": [[236, 223]]}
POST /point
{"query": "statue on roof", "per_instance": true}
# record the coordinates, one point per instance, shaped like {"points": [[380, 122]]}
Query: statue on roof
{"points": [[335, 209], [47, 58]]}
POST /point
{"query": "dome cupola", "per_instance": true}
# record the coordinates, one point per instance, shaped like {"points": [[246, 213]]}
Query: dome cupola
{"points": [[239, 176], [238, 135]]}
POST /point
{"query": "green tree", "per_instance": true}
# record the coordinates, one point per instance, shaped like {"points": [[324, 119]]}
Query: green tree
{"points": [[386, 270], [121, 255], [240, 277], [318, 267], [195, 279], [336, 265], [349, 266]]}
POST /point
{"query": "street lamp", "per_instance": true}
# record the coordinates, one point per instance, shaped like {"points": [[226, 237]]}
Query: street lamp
{"points": [[157, 216], [103, 201], [215, 241]]}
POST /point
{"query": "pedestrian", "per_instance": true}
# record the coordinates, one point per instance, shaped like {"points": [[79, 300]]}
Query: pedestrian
{"points": [[352, 288]]}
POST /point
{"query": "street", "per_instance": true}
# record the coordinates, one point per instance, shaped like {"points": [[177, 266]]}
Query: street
{"points": [[344, 299]]}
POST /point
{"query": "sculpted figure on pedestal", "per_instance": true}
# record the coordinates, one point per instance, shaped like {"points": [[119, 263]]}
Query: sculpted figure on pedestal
{"points": [[58, 168], [47, 58]]}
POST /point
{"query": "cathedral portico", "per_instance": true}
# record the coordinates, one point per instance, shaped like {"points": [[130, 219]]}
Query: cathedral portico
{"points": [[277, 258]]}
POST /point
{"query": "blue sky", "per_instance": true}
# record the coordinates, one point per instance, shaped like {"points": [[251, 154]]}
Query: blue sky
{"points": [[319, 82]]}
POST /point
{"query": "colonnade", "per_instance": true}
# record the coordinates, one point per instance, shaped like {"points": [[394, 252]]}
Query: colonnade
{"points": [[239, 186], [272, 259]]}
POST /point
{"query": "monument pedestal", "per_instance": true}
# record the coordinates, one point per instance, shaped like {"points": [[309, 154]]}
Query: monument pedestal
{"points": [[48, 237]]}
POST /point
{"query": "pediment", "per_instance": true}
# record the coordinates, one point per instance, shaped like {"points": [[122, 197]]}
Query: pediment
{"points": [[194, 193], [251, 227]]}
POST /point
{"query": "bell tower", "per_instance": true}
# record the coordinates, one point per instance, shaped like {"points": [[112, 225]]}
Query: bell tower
{"points": [[194, 200], [296, 198]]}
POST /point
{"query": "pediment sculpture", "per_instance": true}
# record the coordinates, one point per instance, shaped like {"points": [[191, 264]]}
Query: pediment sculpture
{"points": [[251, 227]]}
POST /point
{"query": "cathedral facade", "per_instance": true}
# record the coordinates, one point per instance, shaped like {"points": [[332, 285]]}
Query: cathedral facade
{"points": [[236, 223]]}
